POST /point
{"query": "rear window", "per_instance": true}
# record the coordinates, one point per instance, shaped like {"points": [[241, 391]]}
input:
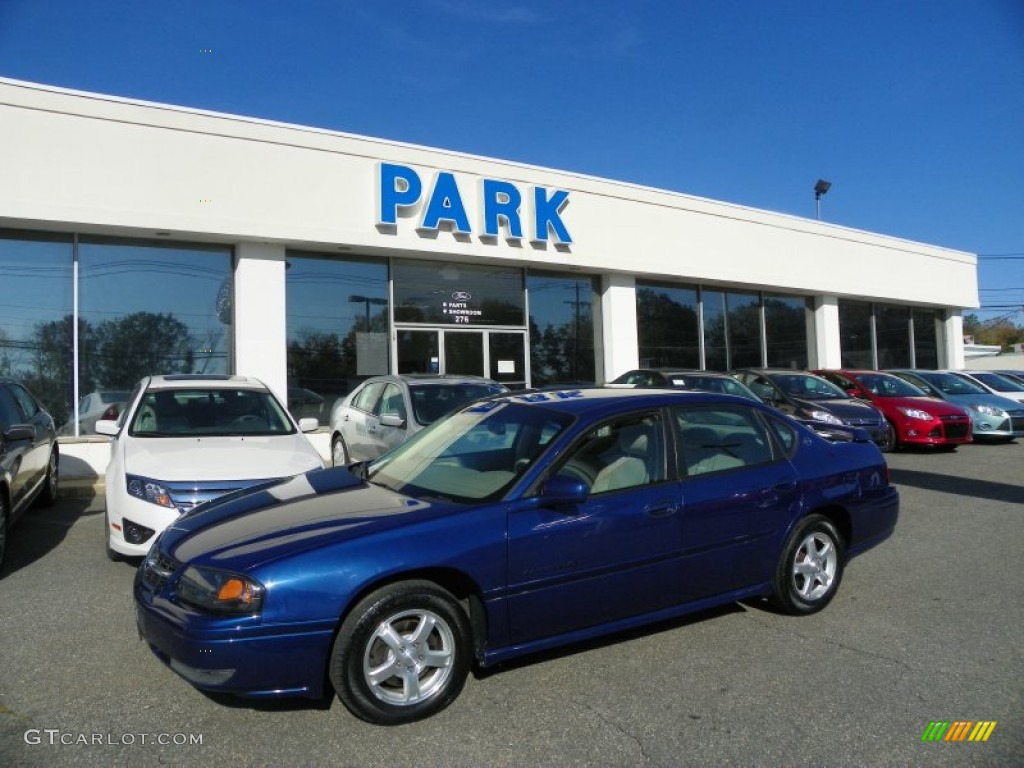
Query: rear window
{"points": [[432, 401]]}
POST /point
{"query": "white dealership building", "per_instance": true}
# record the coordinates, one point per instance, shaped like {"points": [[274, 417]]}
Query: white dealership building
{"points": [[311, 258]]}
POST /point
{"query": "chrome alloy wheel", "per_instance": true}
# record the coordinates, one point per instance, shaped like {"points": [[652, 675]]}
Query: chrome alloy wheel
{"points": [[409, 657], [339, 458], [814, 566]]}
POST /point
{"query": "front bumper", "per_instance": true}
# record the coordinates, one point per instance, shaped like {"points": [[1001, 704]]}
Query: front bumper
{"points": [[133, 524], [938, 431], [220, 654], [996, 427]]}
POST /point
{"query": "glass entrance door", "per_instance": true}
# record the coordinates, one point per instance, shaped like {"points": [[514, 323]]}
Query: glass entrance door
{"points": [[498, 355]]}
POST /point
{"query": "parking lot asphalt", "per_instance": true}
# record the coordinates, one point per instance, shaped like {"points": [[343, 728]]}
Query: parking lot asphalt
{"points": [[927, 627]]}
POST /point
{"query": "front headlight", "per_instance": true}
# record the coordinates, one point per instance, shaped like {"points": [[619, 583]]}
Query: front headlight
{"points": [[148, 490], [990, 410], [220, 591], [828, 418], [915, 413]]}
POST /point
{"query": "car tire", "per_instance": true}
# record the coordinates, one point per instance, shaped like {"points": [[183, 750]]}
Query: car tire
{"points": [[416, 631], [339, 455], [891, 439], [48, 495], [810, 568], [112, 555], [5, 524]]}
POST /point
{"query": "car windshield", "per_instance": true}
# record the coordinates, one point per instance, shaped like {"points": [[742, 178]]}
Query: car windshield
{"points": [[209, 412], [998, 383], [883, 385], [808, 387], [721, 384], [432, 401], [949, 384], [113, 397], [475, 454]]}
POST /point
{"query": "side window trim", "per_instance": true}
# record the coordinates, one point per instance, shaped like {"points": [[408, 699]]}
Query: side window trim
{"points": [[714, 448], [658, 458]]}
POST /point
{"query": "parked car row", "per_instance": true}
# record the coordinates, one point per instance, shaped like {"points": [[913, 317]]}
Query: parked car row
{"points": [[897, 407], [473, 524]]}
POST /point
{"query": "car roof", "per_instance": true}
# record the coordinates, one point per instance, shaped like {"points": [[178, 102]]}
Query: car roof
{"points": [[433, 378], [852, 371], [774, 371], [204, 381], [590, 400]]}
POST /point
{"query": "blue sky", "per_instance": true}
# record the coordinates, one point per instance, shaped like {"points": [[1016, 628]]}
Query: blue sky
{"points": [[913, 109]]}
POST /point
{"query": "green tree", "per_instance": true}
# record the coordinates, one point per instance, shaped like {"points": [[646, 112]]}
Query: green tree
{"points": [[139, 344]]}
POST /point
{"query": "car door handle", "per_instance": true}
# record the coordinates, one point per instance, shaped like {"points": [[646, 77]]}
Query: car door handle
{"points": [[788, 485], [661, 509]]}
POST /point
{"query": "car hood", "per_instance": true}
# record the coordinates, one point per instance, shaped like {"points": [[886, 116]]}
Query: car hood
{"points": [[843, 409], [251, 526], [996, 401], [932, 405], [220, 458]]}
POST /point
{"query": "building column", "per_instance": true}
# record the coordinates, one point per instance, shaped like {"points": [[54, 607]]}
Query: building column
{"points": [[826, 350], [619, 348], [951, 345], [260, 321]]}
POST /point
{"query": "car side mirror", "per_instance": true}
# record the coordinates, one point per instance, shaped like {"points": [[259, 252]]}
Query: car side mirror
{"points": [[106, 427], [19, 432], [565, 489], [391, 420], [307, 425]]}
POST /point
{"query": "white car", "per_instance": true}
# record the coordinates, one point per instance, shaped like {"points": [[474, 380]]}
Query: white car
{"points": [[186, 439], [996, 383], [385, 411]]}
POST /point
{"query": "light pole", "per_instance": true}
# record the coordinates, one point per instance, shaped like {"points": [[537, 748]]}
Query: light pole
{"points": [[820, 189], [367, 300]]}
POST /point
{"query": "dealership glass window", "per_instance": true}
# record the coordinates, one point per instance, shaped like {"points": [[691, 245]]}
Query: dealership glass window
{"points": [[926, 337], [785, 325], [855, 335], [151, 308], [892, 336], [667, 326], [732, 329], [744, 329], [337, 318], [888, 336], [561, 328], [36, 316], [440, 293], [713, 316]]}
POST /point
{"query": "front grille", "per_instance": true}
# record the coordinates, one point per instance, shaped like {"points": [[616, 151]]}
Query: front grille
{"points": [[157, 568], [863, 422], [954, 426], [958, 429], [188, 495]]}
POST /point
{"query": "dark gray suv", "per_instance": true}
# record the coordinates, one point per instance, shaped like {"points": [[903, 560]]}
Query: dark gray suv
{"points": [[807, 397]]}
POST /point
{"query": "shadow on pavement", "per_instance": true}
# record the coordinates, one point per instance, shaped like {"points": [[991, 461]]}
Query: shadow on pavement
{"points": [[40, 530], [962, 486]]}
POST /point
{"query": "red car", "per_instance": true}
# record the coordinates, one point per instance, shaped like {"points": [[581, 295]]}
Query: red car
{"points": [[915, 418]]}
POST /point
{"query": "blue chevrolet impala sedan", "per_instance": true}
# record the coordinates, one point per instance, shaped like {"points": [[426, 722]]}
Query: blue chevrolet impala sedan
{"points": [[517, 524]]}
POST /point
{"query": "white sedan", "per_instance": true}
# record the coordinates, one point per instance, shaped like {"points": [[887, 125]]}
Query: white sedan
{"points": [[186, 439]]}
